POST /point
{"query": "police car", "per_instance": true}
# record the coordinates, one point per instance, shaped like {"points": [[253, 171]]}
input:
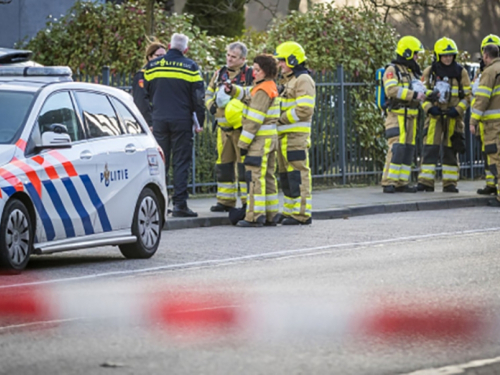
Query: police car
{"points": [[79, 168]]}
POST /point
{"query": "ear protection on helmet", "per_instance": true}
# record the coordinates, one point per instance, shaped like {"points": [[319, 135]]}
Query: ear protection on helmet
{"points": [[292, 61], [407, 53]]}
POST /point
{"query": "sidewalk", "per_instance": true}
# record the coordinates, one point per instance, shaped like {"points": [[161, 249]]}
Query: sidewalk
{"points": [[342, 202]]}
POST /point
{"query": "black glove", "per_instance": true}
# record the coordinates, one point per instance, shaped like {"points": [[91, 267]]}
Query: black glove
{"points": [[433, 97], [228, 86], [452, 112], [243, 151], [435, 111], [213, 109], [458, 142]]}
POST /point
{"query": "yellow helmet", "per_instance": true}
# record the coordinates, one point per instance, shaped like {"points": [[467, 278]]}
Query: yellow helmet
{"points": [[292, 53], [408, 46], [490, 39], [445, 46], [234, 113]]}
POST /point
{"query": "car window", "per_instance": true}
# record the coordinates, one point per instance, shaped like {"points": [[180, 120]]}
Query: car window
{"points": [[58, 109], [98, 114], [132, 126], [14, 108]]}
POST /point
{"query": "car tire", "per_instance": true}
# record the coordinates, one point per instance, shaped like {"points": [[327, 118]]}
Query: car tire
{"points": [[146, 226], [16, 236]]}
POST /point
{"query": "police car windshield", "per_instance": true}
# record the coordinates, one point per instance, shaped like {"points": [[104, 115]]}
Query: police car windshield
{"points": [[14, 108]]}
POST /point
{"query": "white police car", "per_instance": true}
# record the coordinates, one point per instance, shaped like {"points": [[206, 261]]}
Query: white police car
{"points": [[78, 168]]}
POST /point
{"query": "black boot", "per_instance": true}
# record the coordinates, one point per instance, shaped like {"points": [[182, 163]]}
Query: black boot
{"points": [[389, 189], [422, 187], [252, 224], [450, 189], [183, 211], [292, 221], [219, 207], [487, 190], [406, 189]]}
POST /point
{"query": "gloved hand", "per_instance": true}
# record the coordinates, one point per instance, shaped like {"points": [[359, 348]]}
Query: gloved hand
{"points": [[435, 111], [213, 109], [243, 151], [452, 112], [433, 96], [458, 142], [228, 86]]}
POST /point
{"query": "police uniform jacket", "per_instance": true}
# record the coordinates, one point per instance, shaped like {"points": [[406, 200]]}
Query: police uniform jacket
{"points": [[141, 99], [175, 87], [486, 104]]}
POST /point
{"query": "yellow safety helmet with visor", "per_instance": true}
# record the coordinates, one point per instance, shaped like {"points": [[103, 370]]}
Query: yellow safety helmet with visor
{"points": [[408, 46], [234, 113], [291, 52], [491, 39], [445, 46]]}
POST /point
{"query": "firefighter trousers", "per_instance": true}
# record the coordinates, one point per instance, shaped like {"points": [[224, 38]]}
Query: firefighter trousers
{"points": [[490, 179], [295, 175], [438, 131], [229, 168], [492, 147], [400, 136], [260, 166]]}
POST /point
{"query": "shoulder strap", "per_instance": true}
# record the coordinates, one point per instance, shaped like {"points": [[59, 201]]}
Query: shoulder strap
{"points": [[249, 76], [220, 74]]}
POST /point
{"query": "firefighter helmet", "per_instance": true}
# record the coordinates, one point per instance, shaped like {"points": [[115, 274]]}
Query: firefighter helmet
{"points": [[408, 46], [234, 112], [292, 53], [445, 46], [490, 39]]}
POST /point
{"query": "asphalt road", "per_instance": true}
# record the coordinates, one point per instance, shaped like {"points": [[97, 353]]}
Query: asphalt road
{"points": [[382, 294]]}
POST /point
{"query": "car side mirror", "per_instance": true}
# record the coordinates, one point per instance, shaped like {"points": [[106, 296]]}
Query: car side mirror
{"points": [[57, 137]]}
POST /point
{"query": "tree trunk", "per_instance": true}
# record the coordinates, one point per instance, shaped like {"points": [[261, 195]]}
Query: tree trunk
{"points": [[150, 17], [293, 5]]}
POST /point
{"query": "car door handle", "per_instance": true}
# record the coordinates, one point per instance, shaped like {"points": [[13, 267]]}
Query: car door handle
{"points": [[130, 149], [86, 155]]}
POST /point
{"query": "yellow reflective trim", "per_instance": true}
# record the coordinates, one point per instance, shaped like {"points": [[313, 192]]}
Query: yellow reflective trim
{"points": [[176, 75]]}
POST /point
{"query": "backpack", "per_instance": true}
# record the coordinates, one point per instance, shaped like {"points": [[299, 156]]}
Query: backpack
{"points": [[380, 99], [240, 79]]}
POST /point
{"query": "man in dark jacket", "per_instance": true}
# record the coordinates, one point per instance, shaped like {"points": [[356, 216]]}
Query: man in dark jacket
{"points": [[176, 89]]}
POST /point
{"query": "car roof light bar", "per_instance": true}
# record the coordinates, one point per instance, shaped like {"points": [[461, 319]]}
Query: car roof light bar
{"points": [[35, 71]]}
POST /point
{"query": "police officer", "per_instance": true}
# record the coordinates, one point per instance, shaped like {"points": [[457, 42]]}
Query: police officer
{"points": [[153, 50], [229, 165], [486, 108], [258, 143], [294, 133], [176, 90], [444, 123], [490, 187], [400, 85]]}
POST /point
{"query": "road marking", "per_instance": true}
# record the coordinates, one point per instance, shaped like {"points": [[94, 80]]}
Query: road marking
{"points": [[456, 369], [32, 324], [271, 255]]}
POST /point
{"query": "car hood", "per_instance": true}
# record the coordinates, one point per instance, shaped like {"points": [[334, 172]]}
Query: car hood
{"points": [[6, 153]]}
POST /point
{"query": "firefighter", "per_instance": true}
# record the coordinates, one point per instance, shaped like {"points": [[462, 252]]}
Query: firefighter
{"points": [[294, 133], [486, 109], [490, 188], [403, 99], [258, 142], [229, 165], [444, 124], [154, 50], [176, 89]]}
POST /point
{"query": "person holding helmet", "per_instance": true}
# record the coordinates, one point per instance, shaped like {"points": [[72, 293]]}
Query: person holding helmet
{"points": [[444, 124], [491, 183], [404, 95], [294, 133], [258, 142], [486, 109], [229, 165]]}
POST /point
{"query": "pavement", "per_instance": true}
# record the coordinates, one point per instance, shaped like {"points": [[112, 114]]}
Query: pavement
{"points": [[343, 202]]}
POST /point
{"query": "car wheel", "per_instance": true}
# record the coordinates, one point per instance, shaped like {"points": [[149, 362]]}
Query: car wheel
{"points": [[146, 226], [16, 236]]}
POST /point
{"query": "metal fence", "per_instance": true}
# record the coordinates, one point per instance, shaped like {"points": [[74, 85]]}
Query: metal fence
{"points": [[337, 156]]}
